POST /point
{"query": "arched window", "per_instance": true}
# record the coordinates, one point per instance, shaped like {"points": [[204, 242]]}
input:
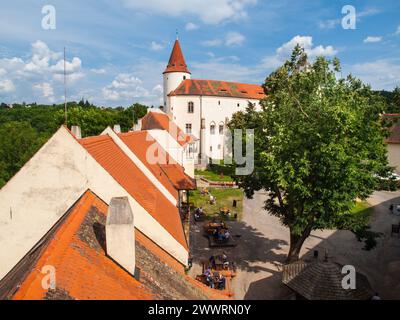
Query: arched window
{"points": [[212, 128], [190, 107], [221, 128]]}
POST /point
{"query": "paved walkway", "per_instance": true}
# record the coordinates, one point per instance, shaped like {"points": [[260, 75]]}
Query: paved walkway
{"points": [[264, 243]]}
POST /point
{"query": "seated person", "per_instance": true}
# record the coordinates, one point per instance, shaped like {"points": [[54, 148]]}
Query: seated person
{"points": [[221, 282], [227, 235], [207, 272], [212, 199]]}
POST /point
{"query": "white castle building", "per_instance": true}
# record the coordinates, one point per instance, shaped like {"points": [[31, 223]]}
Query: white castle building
{"points": [[204, 107]]}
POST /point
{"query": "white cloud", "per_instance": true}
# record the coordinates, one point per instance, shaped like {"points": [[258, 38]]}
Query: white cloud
{"points": [[46, 90], [212, 43], [155, 46], [371, 39], [284, 51], [398, 30], [381, 74], [234, 39], [42, 67], [6, 86], [191, 26], [231, 39], [98, 71], [209, 11], [124, 87]]}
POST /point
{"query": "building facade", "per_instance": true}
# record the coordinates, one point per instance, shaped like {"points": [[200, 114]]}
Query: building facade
{"points": [[203, 108]]}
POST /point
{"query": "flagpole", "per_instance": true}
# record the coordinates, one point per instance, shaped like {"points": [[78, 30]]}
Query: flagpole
{"points": [[65, 90]]}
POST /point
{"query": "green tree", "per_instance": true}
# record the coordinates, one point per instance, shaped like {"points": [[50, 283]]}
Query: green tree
{"points": [[19, 141], [319, 142]]}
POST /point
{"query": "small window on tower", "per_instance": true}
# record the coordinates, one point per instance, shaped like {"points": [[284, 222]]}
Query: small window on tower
{"points": [[188, 128], [184, 77], [212, 129], [219, 102], [221, 129], [190, 107]]}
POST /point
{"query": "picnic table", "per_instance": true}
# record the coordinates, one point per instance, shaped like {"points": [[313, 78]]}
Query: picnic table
{"points": [[211, 227], [224, 210]]}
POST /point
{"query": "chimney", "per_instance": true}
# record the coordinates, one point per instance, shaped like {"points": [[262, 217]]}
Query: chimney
{"points": [[120, 234], [117, 128], [138, 125], [76, 131]]}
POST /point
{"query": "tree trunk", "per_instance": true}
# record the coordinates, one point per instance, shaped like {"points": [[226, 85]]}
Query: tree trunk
{"points": [[296, 243]]}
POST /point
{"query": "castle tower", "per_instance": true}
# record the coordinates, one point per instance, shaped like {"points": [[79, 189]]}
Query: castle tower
{"points": [[175, 73]]}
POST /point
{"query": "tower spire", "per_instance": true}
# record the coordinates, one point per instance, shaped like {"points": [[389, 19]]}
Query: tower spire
{"points": [[177, 61]]}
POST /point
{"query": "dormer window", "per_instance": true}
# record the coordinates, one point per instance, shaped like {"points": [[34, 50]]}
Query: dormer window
{"points": [[190, 107], [184, 77]]}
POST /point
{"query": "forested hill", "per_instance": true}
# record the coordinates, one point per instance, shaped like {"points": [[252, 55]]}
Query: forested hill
{"points": [[25, 128]]}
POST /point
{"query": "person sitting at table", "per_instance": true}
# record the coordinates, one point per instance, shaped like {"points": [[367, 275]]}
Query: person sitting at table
{"points": [[227, 235], [207, 272], [221, 282], [210, 281], [213, 200]]}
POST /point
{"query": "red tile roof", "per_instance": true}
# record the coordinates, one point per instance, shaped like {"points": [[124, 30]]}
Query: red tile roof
{"points": [[160, 120], [83, 271], [107, 153], [176, 61], [219, 88], [172, 176]]}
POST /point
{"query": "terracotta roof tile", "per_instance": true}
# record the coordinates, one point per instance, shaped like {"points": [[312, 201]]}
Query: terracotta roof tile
{"points": [[107, 153], [172, 176], [219, 88], [160, 120], [176, 61], [83, 271]]}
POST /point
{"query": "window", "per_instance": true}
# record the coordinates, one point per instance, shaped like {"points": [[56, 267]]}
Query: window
{"points": [[210, 148], [184, 77], [190, 107], [221, 129], [212, 128], [188, 128], [219, 102], [238, 104], [219, 147]]}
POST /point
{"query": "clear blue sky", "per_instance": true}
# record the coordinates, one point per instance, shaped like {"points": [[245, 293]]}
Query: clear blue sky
{"points": [[117, 49]]}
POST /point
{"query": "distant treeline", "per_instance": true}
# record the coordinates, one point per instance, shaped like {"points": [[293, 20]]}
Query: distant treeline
{"points": [[24, 128]]}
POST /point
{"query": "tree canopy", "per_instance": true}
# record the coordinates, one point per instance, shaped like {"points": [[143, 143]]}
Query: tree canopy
{"points": [[319, 143], [24, 128]]}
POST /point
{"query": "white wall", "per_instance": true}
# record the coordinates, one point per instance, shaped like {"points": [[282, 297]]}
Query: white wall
{"points": [[171, 81], [48, 185], [394, 156], [211, 112]]}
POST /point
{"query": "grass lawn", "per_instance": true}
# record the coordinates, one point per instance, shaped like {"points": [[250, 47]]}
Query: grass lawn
{"points": [[224, 198], [363, 208], [213, 176]]}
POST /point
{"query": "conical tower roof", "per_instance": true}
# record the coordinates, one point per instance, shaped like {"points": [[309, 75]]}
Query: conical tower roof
{"points": [[177, 61]]}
